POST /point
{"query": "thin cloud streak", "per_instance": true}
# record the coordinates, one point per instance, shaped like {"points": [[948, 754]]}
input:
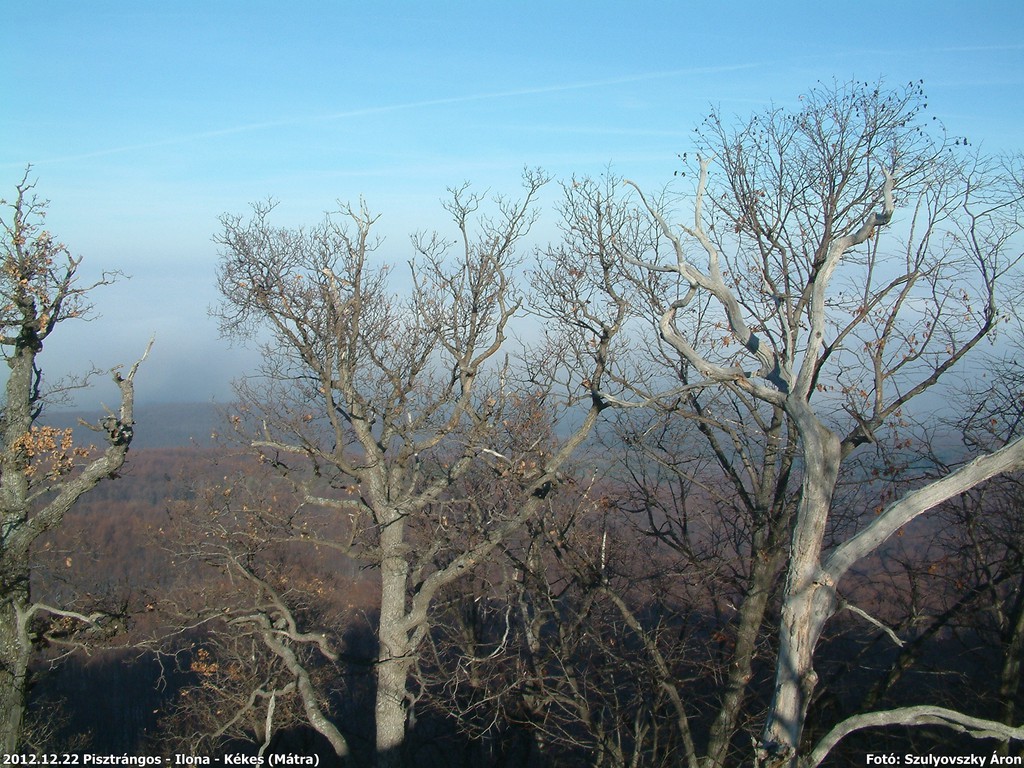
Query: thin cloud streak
{"points": [[384, 109], [978, 48]]}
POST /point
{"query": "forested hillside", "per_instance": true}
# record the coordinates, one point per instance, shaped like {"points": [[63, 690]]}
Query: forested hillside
{"points": [[729, 478], [157, 425], [617, 613]]}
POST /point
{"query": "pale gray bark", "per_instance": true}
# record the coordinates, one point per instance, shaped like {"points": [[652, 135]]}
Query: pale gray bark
{"points": [[796, 217], [923, 715], [398, 400]]}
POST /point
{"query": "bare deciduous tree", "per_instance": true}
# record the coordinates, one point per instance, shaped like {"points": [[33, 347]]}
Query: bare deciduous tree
{"points": [[248, 626], [850, 256], [42, 471], [376, 406]]}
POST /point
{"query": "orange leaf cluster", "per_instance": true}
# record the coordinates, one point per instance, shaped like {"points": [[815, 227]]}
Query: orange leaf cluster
{"points": [[51, 450]]}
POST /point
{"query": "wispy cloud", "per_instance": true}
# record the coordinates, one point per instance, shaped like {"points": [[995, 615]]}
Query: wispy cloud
{"points": [[389, 108], [978, 48]]}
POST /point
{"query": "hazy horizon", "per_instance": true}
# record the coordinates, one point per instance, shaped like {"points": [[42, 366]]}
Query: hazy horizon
{"points": [[145, 123]]}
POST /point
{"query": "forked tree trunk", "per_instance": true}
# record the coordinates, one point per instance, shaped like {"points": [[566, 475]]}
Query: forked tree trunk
{"points": [[807, 602], [19, 529], [810, 597]]}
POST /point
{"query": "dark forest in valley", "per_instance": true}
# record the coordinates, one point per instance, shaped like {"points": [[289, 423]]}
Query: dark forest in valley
{"points": [[129, 695]]}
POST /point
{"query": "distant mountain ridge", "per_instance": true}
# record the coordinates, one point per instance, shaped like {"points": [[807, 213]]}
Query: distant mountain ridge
{"points": [[157, 425]]}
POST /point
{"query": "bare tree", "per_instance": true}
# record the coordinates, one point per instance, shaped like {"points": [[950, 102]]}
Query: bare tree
{"points": [[375, 405], [834, 312], [42, 471], [252, 626], [984, 537]]}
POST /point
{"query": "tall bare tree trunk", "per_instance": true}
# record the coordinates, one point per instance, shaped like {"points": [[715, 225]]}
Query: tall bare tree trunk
{"points": [[14, 573], [394, 653], [14, 656], [1009, 679], [808, 602], [751, 617]]}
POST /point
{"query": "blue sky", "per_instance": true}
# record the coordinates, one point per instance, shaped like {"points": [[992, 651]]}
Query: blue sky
{"points": [[147, 120]]}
